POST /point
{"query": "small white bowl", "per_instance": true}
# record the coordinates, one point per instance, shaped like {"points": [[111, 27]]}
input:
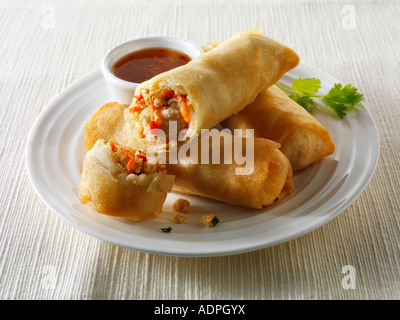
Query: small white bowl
{"points": [[122, 91]]}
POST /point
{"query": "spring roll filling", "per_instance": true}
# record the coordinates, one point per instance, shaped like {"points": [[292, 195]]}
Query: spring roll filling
{"points": [[134, 162], [155, 109]]}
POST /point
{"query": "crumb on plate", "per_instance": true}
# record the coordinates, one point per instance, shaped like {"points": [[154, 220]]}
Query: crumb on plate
{"points": [[179, 219], [181, 205], [209, 220]]}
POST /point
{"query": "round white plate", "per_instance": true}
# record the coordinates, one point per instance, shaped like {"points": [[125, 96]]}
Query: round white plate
{"points": [[55, 153]]}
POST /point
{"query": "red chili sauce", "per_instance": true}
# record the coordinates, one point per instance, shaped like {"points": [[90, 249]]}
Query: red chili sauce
{"points": [[142, 65]]}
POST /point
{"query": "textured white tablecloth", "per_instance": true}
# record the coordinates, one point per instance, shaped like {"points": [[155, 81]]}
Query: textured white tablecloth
{"points": [[46, 45]]}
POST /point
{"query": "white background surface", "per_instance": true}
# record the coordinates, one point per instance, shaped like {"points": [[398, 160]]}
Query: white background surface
{"points": [[47, 45]]}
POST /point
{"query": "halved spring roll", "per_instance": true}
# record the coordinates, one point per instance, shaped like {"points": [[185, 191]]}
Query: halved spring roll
{"points": [[273, 115], [210, 87], [123, 183]]}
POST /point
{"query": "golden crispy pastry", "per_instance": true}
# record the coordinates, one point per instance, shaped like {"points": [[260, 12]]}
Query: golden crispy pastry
{"points": [[106, 123], [273, 115], [123, 183], [211, 87]]}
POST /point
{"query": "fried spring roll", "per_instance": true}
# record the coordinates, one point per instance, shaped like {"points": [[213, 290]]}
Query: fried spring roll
{"points": [[211, 87], [123, 183], [269, 181], [273, 115]]}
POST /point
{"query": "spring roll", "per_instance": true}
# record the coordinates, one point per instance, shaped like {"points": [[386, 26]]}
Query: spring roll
{"points": [[273, 115], [211, 87], [270, 181], [123, 183]]}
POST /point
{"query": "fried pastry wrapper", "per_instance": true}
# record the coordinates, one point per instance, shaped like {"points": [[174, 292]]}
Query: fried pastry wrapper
{"points": [[123, 183], [211, 87], [273, 115]]}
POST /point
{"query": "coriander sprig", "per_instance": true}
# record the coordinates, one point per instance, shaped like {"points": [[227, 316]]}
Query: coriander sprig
{"points": [[340, 98]]}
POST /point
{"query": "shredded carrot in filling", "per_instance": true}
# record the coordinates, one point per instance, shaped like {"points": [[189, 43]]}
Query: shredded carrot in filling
{"points": [[153, 109], [113, 146], [130, 165], [168, 93], [154, 116], [135, 109], [126, 153], [184, 108], [131, 161], [139, 103]]}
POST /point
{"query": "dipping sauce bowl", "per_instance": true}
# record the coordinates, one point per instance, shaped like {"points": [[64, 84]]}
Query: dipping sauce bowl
{"points": [[121, 90]]}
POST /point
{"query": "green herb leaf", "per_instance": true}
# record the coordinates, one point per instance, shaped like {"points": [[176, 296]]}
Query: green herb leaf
{"points": [[307, 86], [305, 101], [340, 98], [214, 221], [166, 230], [338, 107]]}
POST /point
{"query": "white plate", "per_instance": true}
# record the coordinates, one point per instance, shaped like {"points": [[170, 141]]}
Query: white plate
{"points": [[55, 153]]}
